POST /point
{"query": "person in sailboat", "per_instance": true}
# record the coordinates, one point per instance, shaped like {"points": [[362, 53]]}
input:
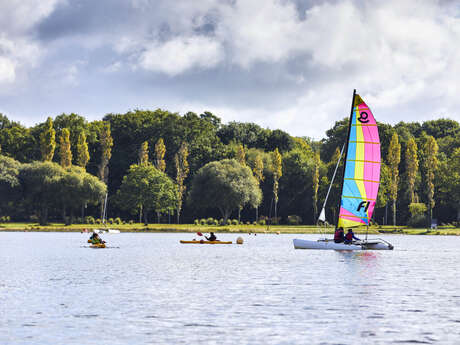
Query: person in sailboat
{"points": [[211, 237], [350, 236], [339, 235]]}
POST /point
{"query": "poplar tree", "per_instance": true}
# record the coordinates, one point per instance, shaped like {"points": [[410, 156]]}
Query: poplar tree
{"points": [[258, 172], [394, 157], [431, 165], [65, 154], [411, 167], [48, 141], [241, 155], [82, 150], [160, 151], [106, 142], [315, 183], [277, 173], [144, 153], [182, 168]]}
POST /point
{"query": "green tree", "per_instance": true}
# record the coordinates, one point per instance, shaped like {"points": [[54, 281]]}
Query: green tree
{"points": [[182, 170], [48, 141], [315, 186], [65, 153], [144, 153], [411, 167], [431, 165], [277, 173], [394, 157], [9, 184], [384, 188], [82, 150], [40, 182], [147, 187], [160, 151], [225, 185], [240, 155], [258, 172], [106, 142]]}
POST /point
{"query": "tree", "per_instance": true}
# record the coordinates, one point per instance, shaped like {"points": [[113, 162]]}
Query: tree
{"points": [[106, 142], [394, 157], [82, 150], [144, 153], [64, 149], [277, 173], [147, 187], [48, 141], [160, 151], [411, 167], [240, 155], [9, 183], [384, 189], [41, 187], [182, 170], [431, 165], [316, 184], [258, 172], [225, 185]]}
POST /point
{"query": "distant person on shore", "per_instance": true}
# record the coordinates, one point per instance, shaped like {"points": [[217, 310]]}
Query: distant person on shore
{"points": [[350, 236], [211, 237], [339, 235]]}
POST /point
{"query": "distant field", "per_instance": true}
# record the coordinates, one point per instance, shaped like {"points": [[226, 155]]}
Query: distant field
{"points": [[284, 229]]}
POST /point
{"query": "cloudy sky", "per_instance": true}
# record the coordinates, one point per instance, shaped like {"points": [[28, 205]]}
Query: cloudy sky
{"points": [[288, 64]]}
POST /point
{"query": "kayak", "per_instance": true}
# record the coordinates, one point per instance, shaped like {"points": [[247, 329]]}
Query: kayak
{"points": [[97, 245], [206, 242]]}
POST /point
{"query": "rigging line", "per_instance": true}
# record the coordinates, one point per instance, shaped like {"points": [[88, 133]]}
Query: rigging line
{"points": [[332, 181]]}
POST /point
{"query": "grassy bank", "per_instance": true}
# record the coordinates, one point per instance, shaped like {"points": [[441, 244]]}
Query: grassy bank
{"points": [[284, 229]]}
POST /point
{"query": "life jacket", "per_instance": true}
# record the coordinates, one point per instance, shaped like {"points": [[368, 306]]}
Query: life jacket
{"points": [[349, 236], [338, 235]]}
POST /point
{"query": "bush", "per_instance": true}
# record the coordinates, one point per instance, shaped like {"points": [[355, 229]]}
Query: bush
{"points": [[210, 221], [90, 220], [294, 219], [234, 221], [418, 221], [33, 218], [248, 223], [118, 220], [417, 208], [221, 221], [110, 221], [254, 223], [98, 221], [196, 222], [203, 221], [5, 219], [131, 222]]}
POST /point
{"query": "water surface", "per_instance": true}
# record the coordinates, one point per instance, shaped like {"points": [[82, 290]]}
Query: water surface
{"points": [[150, 289]]}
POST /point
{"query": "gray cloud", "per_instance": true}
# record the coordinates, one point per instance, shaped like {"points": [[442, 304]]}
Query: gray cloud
{"points": [[287, 64]]}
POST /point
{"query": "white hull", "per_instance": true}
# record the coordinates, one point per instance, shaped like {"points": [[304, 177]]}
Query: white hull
{"points": [[326, 244], [107, 231]]}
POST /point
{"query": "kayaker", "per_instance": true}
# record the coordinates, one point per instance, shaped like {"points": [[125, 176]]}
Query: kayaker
{"points": [[350, 236], [339, 235], [95, 239], [211, 237]]}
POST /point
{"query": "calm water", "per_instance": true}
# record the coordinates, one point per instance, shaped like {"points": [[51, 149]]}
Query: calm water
{"points": [[153, 290]]}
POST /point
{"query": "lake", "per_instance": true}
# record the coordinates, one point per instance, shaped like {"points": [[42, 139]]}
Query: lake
{"points": [[150, 289]]}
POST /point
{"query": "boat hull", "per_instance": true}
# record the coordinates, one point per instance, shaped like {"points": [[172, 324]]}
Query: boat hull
{"points": [[331, 245], [98, 245], [206, 242]]}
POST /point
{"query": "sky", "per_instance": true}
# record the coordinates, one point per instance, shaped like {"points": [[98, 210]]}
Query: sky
{"points": [[283, 64]]}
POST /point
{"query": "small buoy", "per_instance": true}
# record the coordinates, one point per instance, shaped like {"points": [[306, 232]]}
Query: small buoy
{"points": [[278, 232], [239, 240]]}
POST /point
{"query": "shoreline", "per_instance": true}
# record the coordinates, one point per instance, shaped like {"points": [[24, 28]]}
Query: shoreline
{"points": [[191, 228]]}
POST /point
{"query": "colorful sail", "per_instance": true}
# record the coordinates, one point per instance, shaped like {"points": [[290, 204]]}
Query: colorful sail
{"points": [[362, 168]]}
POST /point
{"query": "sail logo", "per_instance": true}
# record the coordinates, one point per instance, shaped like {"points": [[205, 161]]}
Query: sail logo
{"points": [[363, 117], [363, 204]]}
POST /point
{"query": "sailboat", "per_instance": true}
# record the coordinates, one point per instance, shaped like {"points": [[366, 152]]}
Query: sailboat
{"points": [[104, 216], [360, 181]]}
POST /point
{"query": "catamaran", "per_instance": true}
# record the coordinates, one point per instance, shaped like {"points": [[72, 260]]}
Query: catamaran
{"points": [[360, 181], [104, 216]]}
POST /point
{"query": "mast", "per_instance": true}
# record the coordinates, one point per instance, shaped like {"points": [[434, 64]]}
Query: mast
{"points": [[345, 157]]}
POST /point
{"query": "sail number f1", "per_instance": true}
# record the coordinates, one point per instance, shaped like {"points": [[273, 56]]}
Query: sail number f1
{"points": [[363, 204]]}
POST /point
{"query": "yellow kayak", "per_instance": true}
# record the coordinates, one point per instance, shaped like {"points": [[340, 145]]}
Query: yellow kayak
{"points": [[97, 245], [206, 242]]}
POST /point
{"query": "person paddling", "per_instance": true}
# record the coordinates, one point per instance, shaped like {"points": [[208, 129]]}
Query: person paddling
{"points": [[95, 239], [339, 235], [350, 236], [211, 237]]}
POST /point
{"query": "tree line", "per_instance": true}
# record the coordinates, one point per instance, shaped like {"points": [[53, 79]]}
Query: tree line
{"points": [[170, 167]]}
